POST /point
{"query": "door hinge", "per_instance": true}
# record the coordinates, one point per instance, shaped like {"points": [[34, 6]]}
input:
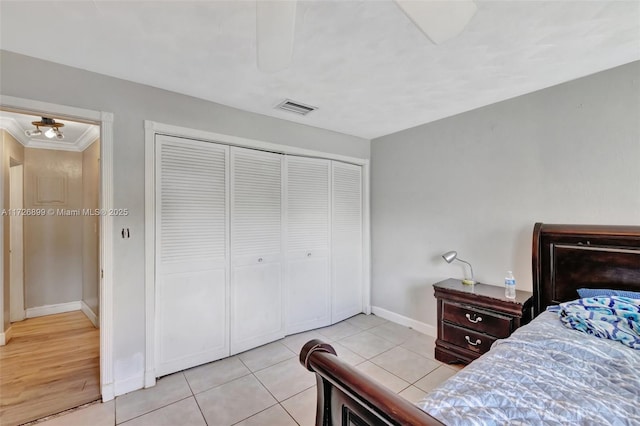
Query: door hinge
{"points": [[101, 273]]}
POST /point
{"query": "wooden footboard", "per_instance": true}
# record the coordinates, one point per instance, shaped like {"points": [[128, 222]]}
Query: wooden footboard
{"points": [[348, 397]]}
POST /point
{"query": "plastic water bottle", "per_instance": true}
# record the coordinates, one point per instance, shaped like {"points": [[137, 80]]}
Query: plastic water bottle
{"points": [[510, 286]]}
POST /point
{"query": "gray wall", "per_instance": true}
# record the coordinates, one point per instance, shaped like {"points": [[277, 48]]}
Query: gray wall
{"points": [[477, 182], [132, 103]]}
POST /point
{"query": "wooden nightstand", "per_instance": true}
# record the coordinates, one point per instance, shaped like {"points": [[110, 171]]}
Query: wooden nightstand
{"points": [[471, 318]]}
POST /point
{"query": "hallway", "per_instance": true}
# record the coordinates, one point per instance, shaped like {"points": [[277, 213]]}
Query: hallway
{"points": [[50, 365]]}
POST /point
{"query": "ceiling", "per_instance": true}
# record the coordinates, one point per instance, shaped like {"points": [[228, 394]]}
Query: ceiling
{"points": [[77, 136], [364, 64]]}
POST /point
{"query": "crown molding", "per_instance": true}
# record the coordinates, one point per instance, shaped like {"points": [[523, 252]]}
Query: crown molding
{"points": [[56, 146], [79, 145], [87, 138], [14, 129]]}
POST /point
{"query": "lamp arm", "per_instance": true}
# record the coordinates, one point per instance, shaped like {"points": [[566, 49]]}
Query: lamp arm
{"points": [[470, 267]]}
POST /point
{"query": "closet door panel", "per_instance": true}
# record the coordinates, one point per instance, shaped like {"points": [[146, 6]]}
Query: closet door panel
{"points": [[257, 312], [308, 279], [347, 261], [309, 294], [193, 318], [191, 253], [256, 248]]}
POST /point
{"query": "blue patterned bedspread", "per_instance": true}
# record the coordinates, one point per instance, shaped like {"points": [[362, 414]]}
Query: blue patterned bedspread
{"points": [[544, 373]]}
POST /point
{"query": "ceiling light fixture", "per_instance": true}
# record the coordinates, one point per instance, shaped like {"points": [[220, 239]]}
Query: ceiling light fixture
{"points": [[36, 132], [53, 132]]}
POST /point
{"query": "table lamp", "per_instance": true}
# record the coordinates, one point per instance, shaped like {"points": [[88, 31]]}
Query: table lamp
{"points": [[450, 256]]}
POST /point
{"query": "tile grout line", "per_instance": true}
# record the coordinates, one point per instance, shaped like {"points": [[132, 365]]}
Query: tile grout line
{"points": [[278, 402], [398, 393], [251, 373], [272, 365], [390, 372], [193, 394], [221, 383], [254, 414], [154, 410], [417, 353], [290, 414], [263, 368], [364, 356], [265, 388]]}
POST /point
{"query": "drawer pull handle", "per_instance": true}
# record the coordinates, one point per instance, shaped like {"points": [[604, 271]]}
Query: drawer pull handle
{"points": [[475, 320], [468, 339]]}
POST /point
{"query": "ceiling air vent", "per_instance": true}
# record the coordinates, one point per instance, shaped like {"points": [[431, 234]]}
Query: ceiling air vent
{"points": [[297, 107]]}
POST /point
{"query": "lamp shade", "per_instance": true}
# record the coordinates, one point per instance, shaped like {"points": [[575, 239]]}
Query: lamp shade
{"points": [[450, 256]]}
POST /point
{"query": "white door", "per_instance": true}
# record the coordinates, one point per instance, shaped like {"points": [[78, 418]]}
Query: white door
{"points": [[308, 281], [16, 241], [192, 188], [346, 241], [256, 248]]}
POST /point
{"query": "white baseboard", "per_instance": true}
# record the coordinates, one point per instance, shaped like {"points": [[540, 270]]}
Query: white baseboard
{"points": [[107, 392], [89, 314], [149, 378], [131, 384], [5, 337], [40, 311], [422, 327]]}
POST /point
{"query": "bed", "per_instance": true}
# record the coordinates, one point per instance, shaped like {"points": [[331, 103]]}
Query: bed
{"points": [[544, 373]]}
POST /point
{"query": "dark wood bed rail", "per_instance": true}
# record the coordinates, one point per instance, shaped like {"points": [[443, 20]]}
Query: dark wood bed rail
{"points": [[348, 397]]}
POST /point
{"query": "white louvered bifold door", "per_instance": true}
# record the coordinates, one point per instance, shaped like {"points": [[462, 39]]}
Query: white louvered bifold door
{"points": [[191, 253], [346, 250], [307, 273], [256, 249]]}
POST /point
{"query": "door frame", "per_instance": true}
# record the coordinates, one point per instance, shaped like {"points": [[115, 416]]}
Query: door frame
{"points": [[105, 121], [16, 185], [151, 128]]}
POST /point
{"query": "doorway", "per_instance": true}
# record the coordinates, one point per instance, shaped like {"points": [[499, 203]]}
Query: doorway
{"points": [[51, 362]]}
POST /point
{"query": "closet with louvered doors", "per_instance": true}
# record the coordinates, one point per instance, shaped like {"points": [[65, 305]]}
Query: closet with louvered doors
{"points": [[250, 246], [192, 251], [307, 240]]}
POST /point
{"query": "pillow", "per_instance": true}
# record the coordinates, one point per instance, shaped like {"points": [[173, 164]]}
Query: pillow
{"points": [[595, 292]]}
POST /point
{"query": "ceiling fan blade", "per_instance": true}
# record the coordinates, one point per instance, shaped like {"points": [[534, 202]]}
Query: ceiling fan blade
{"points": [[275, 26], [439, 20]]}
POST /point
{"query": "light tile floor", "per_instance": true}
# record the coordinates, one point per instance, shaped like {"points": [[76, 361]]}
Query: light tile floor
{"points": [[267, 386]]}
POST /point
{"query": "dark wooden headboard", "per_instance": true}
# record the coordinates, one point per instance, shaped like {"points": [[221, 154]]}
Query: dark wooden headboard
{"points": [[568, 257]]}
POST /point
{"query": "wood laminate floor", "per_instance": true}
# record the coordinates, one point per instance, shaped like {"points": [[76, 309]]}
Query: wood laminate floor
{"points": [[51, 364]]}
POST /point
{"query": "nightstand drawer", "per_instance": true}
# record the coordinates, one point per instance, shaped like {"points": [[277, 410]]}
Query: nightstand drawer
{"points": [[477, 319], [465, 338]]}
